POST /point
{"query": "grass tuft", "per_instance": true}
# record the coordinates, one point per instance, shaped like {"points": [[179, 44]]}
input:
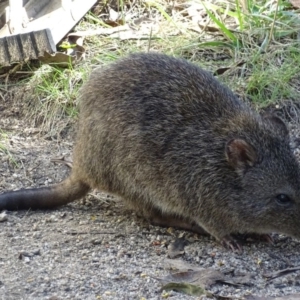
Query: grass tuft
{"points": [[51, 97]]}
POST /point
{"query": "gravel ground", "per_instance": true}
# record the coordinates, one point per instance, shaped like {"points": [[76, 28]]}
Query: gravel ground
{"points": [[97, 249]]}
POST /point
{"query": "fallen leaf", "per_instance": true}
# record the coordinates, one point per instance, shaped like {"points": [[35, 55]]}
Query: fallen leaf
{"points": [[205, 27], [295, 3], [180, 265], [280, 273], [58, 58], [185, 288], [78, 50], [203, 278], [191, 282], [113, 15], [73, 52]]}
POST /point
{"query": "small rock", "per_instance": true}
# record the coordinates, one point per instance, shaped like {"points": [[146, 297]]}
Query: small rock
{"points": [[24, 254], [3, 216], [176, 248], [27, 260]]}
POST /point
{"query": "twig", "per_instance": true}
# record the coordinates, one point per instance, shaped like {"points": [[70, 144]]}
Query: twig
{"points": [[283, 272]]}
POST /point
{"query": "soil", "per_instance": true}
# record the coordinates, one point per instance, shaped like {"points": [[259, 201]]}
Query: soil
{"points": [[97, 249]]}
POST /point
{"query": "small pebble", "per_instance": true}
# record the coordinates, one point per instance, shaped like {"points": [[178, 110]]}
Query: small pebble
{"points": [[3, 216]]}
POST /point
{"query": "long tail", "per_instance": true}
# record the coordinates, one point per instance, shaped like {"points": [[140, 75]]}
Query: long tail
{"points": [[45, 197]]}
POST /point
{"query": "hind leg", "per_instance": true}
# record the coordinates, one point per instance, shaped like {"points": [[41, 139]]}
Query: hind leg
{"points": [[157, 218]]}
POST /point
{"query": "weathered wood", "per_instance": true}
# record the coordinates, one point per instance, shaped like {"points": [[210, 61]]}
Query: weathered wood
{"points": [[25, 46], [33, 7], [43, 41], [38, 26], [4, 52], [60, 16], [57, 15], [15, 16]]}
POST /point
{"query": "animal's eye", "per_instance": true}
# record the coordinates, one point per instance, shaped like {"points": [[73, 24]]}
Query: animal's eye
{"points": [[283, 199]]}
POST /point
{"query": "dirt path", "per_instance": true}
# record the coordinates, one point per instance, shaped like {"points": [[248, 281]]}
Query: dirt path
{"points": [[96, 249]]}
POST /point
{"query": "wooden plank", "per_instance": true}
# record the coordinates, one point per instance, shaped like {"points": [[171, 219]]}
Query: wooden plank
{"points": [[4, 53], [22, 47], [3, 4], [15, 16], [59, 16], [43, 41], [33, 8], [15, 52], [41, 23], [28, 44]]}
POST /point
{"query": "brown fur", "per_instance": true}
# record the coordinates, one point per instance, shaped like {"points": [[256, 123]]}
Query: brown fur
{"points": [[175, 144]]}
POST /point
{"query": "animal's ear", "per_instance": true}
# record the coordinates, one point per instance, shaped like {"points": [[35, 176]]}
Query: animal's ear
{"points": [[278, 124], [240, 154]]}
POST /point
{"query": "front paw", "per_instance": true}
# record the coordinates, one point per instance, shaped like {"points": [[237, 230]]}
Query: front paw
{"points": [[255, 237], [231, 243]]}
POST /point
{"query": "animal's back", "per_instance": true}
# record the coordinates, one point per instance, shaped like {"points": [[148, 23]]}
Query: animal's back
{"points": [[151, 123], [144, 87]]}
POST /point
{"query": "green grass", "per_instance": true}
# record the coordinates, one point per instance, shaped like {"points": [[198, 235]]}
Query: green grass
{"points": [[53, 102], [272, 82], [256, 40]]}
